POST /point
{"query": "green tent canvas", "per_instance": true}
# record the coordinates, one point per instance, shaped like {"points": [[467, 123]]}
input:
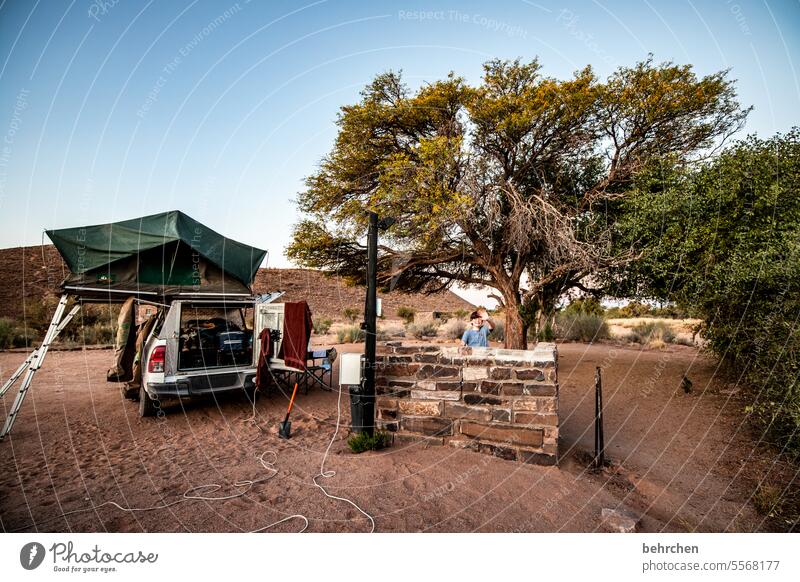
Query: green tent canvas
{"points": [[161, 254]]}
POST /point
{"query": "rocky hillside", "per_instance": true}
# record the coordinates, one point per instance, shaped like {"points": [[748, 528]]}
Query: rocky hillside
{"points": [[29, 274]]}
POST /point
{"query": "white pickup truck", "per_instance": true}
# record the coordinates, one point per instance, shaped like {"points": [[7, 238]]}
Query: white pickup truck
{"points": [[206, 345]]}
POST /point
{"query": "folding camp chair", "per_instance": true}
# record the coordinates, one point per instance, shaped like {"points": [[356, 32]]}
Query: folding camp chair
{"points": [[318, 371]]}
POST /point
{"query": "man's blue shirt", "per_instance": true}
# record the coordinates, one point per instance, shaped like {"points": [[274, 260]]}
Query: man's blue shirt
{"points": [[477, 338]]}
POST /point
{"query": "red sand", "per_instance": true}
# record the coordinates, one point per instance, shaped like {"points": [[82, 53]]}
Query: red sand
{"points": [[677, 458]]}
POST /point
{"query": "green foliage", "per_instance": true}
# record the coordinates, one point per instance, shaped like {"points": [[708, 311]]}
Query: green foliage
{"points": [[423, 329], [546, 334], [442, 316], [12, 335], [407, 314], [653, 333], [351, 314], [361, 441], [515, 167], [586, 306], [636, 309], [322, 325], [352, 334], [97, 333], [725, 241], [581, 327], [461, 313]]}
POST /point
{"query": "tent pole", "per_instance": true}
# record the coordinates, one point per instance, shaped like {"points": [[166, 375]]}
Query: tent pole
{"points": [[37, 358]]}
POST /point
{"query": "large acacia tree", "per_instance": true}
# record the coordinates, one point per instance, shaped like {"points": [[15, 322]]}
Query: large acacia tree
{"points": [[510, 184]]}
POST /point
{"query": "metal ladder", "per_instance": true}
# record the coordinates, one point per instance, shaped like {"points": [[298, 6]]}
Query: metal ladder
{"points": [[34, 361]]}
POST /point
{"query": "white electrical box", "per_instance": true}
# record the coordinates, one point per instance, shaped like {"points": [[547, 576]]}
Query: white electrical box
{"points": [[379, 307], [350, 366]]}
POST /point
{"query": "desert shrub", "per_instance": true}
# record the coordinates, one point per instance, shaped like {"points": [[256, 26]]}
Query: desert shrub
{"points": [[652, 333], [362, 441], [585, 305], [580, 327], [455, 328], [461, 313], [351, 334], [95, 334], [498, 334], [635, 309], [423, 329], [768, 499], [382, 334], [351, 314], [12, 335], [670, 312], [442, 316], [614, 313], [406, 313], [322, 326], [546, 334]]}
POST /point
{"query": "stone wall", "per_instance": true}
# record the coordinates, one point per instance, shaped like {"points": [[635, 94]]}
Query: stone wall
{"points": [[490, 400]]}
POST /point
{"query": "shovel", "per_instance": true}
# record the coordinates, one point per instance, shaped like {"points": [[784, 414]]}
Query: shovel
{"points": [[285, 428]]}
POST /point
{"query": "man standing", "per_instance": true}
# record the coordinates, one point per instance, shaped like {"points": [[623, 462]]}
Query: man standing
{"points": [[477, 334]]}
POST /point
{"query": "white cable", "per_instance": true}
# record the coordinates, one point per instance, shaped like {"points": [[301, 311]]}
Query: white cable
{"points": [[191, 494], [329, 474]]}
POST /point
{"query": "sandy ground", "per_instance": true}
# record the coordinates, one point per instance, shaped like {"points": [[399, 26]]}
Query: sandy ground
{"points": [[682, 461]]}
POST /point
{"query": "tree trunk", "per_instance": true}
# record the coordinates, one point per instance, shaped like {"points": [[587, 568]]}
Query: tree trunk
{"points": [[516, 330]]}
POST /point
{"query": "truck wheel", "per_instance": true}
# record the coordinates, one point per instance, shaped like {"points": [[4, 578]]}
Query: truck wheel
{"points": [[146, 405]]}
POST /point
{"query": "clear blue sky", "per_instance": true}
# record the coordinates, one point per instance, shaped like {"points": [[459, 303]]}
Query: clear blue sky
{"points": [[111, 109]]}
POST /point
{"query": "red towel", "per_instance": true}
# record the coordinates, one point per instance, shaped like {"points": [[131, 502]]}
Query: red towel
{"points": [[264, 354], [296, 333]]}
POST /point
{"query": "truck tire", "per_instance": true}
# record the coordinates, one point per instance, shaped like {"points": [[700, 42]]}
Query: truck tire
{"points": [[146, 405]]}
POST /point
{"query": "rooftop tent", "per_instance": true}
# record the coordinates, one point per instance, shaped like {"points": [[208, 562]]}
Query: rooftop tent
{"points": [[162, 254]]}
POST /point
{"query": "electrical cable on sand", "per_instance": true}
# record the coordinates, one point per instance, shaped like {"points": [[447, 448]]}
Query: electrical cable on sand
{"points": [[193, 494], [329, 474]]}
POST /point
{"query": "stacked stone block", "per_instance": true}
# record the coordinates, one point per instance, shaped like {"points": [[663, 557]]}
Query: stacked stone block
{"points": [[496, 401]]}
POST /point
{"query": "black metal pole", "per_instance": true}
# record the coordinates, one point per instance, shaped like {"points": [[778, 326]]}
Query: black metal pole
{"points": [[599, 438], [370, 324]]}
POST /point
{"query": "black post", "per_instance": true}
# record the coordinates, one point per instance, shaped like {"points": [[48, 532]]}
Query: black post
{"points": [[370, 325], [599, 439]]}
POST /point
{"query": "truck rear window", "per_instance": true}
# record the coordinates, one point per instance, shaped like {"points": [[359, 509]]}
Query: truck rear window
{"points": [[215, 337]]}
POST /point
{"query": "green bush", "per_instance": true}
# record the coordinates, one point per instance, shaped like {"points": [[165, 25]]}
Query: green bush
{"points": [[585, 305], [361, 442], [425, 329], [96, 334], [580, 327], [350, 335], [723, 240], [461, 313], [635, 309], [652, 333], [322, 326], [407, 314], [351, 314], [546, 334], [12, 335], [498, 334]]}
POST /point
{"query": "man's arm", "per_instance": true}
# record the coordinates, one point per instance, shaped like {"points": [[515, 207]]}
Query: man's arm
{"points": [[487, 320]]}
